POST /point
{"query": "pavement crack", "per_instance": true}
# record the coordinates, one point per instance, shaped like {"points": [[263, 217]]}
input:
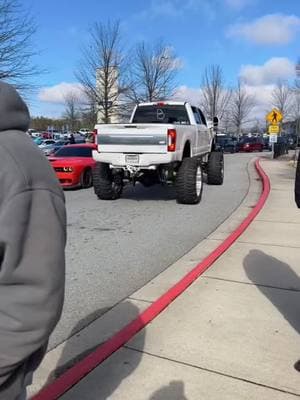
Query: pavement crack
{"points": [[142, 300], [267, 244], [278, 222], [212, 371], [249, 283]]}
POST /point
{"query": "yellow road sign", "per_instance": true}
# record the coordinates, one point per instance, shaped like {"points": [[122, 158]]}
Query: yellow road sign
{"points": [[274, 117], [273, 129]]}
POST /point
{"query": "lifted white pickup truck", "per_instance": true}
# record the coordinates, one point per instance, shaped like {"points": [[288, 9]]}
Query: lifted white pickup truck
{"points": [[165, 142]]}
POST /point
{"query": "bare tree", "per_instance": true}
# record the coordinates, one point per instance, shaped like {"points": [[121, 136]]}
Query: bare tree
{"points": [[215, 97], [297, 80], [295, 109], [295, 93], [281, 98], [16, 49], [296, 101], [153, 72], [241, 105], [72, 110], [101, 70], [227, 122], [88, 116]]}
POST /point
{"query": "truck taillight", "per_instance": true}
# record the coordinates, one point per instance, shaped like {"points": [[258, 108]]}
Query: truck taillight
{"points": [[95, 133], [171, 139]]}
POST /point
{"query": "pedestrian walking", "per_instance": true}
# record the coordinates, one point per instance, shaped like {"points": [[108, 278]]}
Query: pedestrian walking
{"points": [[32, 248], [72, 138], [274, 117]]}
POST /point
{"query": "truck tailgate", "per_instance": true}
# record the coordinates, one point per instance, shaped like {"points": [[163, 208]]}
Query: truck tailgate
{"points": [[132, 138]]}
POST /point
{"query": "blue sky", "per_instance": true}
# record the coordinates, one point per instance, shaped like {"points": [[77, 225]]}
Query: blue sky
{"points": [[258, 40]]}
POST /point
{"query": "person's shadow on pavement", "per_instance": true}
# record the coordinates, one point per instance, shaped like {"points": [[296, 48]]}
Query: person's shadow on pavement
{"points": [[274, 278], [174, 391], [104, 383]]}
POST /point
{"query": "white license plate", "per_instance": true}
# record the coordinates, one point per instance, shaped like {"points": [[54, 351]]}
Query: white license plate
{"points": [[132, 158]]}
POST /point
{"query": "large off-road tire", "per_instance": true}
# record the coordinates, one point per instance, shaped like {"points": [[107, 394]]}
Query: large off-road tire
{"points": [[86, 179], [107, 186], [215, 168], [189, 181]]}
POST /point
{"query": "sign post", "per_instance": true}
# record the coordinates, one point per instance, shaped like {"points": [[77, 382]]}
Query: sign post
{"points": [[274, 119], [273, 140]]}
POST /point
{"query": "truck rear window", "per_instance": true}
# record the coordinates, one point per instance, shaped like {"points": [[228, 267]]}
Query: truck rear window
{"points": [[168, 114]]}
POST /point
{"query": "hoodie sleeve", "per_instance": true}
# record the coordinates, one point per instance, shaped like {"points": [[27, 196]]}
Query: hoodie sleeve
{"points": [[32, 273], [297, 183]]}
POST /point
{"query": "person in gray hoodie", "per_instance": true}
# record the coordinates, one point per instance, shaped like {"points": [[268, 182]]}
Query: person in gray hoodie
{"points": [[32, 248]]}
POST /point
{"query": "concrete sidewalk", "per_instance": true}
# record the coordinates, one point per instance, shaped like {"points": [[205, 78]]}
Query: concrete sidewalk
{"points": [[234, 333]]}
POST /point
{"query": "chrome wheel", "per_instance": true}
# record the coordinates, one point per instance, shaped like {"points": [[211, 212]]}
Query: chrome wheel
{"points": [[199, 181]]}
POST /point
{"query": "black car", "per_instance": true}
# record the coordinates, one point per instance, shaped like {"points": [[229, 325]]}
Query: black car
{"points": [[292, 141], [228, 144], [282, 145], [267, 145]]}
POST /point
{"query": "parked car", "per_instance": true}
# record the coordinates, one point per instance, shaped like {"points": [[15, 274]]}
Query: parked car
{"points": [[46, 142], [84, 131], [228, 144], [50, 149], [38, 141], [80, 140], [249, 144], [33, 133], [267, 145], [292, 141], [73, 165], [46, 135], [283, 144], [53, 134]]}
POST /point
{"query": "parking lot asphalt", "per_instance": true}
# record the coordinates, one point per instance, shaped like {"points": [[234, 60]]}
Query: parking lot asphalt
{"points": [[115, 247]]}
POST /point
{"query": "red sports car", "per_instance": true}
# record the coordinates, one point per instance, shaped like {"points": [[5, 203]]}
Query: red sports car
{"points": [[73, 165]]}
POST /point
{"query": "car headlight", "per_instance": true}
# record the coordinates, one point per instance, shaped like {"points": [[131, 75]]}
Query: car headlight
{"points": [[68, 169]]}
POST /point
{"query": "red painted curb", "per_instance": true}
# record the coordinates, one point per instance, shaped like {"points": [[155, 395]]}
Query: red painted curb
{"points": [[85, 366]]}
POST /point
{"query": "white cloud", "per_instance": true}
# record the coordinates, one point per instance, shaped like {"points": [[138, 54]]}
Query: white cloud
{"points": [[176, 8], [260, 82], [273, 70], [263, 100], [184, 93], [166, 8], [262, 95], [169, 54], [272, 29], [56, 94]]}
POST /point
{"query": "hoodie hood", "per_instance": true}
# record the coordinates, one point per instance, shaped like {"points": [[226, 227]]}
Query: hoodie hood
{"points": [[14, 114]]}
